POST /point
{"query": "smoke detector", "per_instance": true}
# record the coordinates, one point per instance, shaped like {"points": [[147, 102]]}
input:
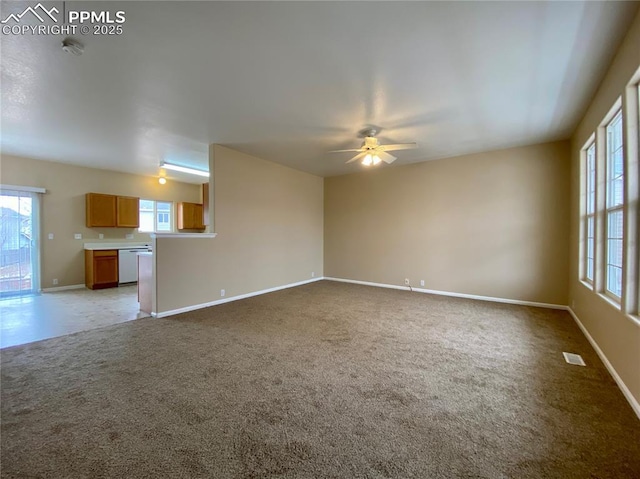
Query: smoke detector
{"points": [[72, 46]]}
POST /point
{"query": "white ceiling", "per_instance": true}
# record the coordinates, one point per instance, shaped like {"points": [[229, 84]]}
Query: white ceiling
{"points": [[290, 81]]}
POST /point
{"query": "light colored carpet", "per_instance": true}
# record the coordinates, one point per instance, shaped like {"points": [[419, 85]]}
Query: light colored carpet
{"points": [[324, 380]]}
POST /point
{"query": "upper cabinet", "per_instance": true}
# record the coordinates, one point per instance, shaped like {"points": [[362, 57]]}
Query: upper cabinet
{"points": [[101, 210], [205, 203], [112, 211], [128, 212], [190, 216]]}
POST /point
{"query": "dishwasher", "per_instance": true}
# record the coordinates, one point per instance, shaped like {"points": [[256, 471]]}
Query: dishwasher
{"points": [[128, 264]]}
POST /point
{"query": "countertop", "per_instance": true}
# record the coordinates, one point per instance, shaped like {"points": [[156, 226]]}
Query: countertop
{"points": [[105, 246]]}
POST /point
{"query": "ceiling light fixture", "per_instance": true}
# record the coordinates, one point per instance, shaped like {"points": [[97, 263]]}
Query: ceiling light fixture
{"points": [[185, 169], [162, 180], [370, 159], [69, 45]]}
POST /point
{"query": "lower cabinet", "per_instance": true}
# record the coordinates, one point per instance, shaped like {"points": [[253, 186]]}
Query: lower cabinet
{"points": [[101, 268]]}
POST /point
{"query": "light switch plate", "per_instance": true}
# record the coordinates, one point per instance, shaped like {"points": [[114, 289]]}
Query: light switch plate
{"points": [[50, 236], [77, 236]]}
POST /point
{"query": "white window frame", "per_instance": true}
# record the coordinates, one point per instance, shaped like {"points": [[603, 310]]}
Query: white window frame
{"points": [[612, 208], [632, 190], [589, 210], [628, 302], [155, 216]]}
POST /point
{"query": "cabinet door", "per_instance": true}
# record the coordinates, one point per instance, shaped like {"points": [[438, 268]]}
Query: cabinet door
{"points": [[101, 269], [105, 270], [190, 216], [101, 210], [197, 216], [128, 212]]}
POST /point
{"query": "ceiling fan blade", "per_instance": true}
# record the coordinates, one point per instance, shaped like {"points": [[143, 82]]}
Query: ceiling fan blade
{"points": [[358, 156], [386, 157], [343, 151], [399, 146]]}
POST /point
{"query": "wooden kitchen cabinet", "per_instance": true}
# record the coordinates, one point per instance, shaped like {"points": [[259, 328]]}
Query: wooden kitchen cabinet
{"points": [[190, 216], [101, 210], [127, 212], [205, 204], [101, 268], [111, 211]]}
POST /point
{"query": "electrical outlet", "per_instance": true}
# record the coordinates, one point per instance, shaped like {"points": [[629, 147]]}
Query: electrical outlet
{"points": [[50, 236], [222, 292], [573, 304], [422, 282], [100, 236], [406, 281], [77, 236], [313, 274], [55, 281], [128, 236]]}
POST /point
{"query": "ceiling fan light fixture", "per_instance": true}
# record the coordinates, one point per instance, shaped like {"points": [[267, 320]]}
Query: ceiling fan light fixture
{"points": [[371, 159], [371, 152]]}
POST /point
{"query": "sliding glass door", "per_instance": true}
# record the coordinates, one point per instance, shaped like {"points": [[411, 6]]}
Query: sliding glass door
{"points": [[19, 242]]}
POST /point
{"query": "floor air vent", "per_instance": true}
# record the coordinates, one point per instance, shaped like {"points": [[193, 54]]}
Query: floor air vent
{"points": [[575, 359]]}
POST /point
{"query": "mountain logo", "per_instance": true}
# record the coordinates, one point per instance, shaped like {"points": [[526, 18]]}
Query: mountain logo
{"points": [[34, 11]]}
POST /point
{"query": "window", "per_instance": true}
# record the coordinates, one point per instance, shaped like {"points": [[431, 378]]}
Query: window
{"points": [[636, 164], [19, 240], [610, 205], [156, 216], [614, 214], [163, 216], [590, 212]]}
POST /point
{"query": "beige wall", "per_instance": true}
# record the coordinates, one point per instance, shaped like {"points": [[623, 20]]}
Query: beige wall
{"points": [[617, 334], [491, 224], [63, 208], [269, 223]]}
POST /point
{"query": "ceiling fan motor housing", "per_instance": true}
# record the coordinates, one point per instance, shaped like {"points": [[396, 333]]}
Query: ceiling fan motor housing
{"points": [[370, 142]]}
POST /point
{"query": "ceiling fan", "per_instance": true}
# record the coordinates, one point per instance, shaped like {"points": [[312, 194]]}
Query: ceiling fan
{"points": [[372, 152]]}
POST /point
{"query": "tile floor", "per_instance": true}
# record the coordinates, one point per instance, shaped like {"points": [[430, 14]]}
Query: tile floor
{"points": [[33, 318]]}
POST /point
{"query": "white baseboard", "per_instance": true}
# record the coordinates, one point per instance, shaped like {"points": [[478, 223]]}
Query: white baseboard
{"points": [[367, 283], [186, 309], [635, 405], [455, 295], [63, 288]]}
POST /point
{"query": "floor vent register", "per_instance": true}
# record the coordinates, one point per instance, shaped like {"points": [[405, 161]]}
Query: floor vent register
{"points": [[574, 359]]}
